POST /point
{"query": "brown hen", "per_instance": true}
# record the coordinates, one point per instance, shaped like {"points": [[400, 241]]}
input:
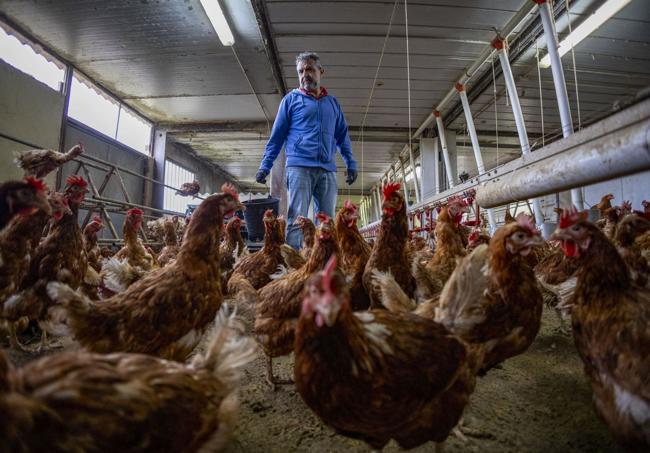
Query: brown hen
{"points": [[377, 375], [610, 322], [21, 198], [389, 252], [42, 162], [171, 248], [354, 254], [166, 312], [58, 258], [79, 401], [258, 267], [279, 302], [308, 235]]}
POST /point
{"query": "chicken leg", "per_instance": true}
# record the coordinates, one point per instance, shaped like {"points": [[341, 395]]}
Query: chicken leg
{"points": [[270, 377]]}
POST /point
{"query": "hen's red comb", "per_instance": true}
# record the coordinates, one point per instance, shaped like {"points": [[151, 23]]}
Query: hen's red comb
{"points": [[268, 213], [97, 219], [456, 199], [571, 216], [328, 273], [75, 180], [36, 183], [349, 206], [390, 189], [526, 221], [230, 190], [134, 211], [322, 217]]}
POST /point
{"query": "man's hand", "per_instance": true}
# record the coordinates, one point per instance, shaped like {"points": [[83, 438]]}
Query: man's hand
{"points": [[352, 176], [261, 176]]}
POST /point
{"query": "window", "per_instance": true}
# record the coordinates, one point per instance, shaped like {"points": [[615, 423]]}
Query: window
{"points": [[24, 58], [91, 106], [175, 176]]}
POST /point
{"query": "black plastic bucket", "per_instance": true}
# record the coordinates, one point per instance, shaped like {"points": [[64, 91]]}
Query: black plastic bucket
{"points": [[254, 214]]}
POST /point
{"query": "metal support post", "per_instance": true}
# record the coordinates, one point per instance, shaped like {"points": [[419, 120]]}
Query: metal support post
{"points": [[159, 145], [518, 114], [377, 203], [552, 44], [445, 149], [475, 146], [471, 128]]}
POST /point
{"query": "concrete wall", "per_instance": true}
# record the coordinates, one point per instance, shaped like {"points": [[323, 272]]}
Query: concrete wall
{"points": [[635, 188], [29, 111], [210, 179]]}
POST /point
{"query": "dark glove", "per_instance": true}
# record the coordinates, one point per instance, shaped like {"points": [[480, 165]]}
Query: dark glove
{"points": [[352, 176], [261, 176]]}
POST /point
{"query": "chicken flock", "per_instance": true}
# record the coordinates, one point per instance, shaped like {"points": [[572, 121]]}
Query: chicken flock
{"points": [[390, 339]]}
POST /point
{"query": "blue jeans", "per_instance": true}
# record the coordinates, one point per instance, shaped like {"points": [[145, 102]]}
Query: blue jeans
{"points": [[302, 184]]}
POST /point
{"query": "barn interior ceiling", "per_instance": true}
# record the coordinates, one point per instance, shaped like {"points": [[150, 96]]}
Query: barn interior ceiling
{"points": [[165, 61]]}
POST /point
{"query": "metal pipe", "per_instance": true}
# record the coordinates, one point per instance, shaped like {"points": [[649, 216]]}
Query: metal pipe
{"points": [[475, 146], [416, 180], [586, 157], [552, 44], [436, 166], [445, 150], [377, 203], [471, 128], [518, 114]]}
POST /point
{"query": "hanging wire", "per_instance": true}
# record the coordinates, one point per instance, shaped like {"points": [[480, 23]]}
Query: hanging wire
{"points": [[496, 109], [573, 59], [372, 92], [541, 98], [408, 84]]}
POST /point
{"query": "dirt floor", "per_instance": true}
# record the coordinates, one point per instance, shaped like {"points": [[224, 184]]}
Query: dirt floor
{"points": [[537, 402]]}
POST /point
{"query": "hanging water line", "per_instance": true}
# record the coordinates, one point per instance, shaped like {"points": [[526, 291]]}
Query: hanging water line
{"points": [[372, 92]]}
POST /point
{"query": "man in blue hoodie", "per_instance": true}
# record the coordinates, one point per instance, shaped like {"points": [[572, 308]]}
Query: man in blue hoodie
{"points": [[311, 126]]}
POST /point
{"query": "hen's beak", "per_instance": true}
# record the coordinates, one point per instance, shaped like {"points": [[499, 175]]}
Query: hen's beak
{"points": [[240, 207], [559, 235], [42, 204], [329, 312]]}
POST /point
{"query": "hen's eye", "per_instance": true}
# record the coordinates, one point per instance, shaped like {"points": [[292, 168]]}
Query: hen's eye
{"points": [[520, 236], [575, 227]]}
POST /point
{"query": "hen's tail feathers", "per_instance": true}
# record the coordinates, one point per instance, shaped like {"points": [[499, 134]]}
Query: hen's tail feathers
{"points": [[393, 296], [74, 301], [428, 285], [229, 350], [119, 274], [280, 272], [92, 277]]}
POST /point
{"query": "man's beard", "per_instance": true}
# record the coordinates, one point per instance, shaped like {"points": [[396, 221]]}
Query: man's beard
{"points": [[309, 85]]}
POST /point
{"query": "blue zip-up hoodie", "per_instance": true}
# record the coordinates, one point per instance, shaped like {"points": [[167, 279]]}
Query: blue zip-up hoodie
{"points": [[311, 129]]}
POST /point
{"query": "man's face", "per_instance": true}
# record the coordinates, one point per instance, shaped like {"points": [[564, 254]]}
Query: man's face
{"points": [[309, 75]]}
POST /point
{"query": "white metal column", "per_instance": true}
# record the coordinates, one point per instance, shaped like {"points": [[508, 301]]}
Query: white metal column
{"points": [[552, 45], [475, 146], [518, 114], [445, 150], [377, 202]]}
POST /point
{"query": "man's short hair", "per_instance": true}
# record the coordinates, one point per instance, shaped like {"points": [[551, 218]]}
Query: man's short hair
{"points": [[308, 55]]}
